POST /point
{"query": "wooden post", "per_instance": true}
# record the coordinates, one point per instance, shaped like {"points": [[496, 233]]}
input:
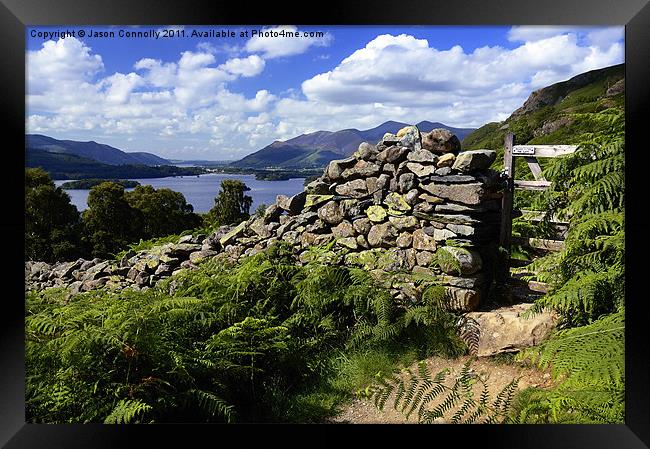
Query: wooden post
{"points": [[506, 202]]}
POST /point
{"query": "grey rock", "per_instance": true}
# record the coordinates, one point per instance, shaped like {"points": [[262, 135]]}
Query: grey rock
{"points": [[452, 259], [412, 196], [362, 242], [317, 227], [440, 141], [362, 169], [382, 181], [422, 156], [392, 154], [335, 168], [424, 258], [440, 235], [186, 239], [355, 189], [271, 214], [422, 241], [405, 223], [317, 187], [404, 240], [362, 225], [343, 229], [331, 213], [366, 151], [383, 234], [421, 170], [474, 160], [406, 182], [461, 193], [452, 179], [461, 229], [200, 256], [409, 137], [348, 242], [389, 139]]}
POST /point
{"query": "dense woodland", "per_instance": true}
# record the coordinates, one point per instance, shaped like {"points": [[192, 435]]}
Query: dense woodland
{"points": [[265, 340]]}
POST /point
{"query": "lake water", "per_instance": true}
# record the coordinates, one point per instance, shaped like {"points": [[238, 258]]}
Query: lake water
{"points": [[200, 191]]}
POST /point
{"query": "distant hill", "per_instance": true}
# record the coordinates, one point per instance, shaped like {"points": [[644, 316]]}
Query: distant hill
{"points": [[548, 116], [98, 152], [70, 166], [319, 148]]}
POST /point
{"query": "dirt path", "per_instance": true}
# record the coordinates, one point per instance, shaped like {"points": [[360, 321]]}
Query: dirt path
{"points": [[362, 411]]}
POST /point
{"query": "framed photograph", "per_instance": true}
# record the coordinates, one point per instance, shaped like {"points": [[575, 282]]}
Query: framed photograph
{"points": [[382, 218]]}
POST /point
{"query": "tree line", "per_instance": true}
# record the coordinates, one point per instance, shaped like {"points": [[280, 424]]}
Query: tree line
{"points": [[56, 231]]}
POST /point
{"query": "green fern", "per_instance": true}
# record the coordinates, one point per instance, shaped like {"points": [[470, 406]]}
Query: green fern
{"points": [[432, 398], [127, 412], [589, 363]]}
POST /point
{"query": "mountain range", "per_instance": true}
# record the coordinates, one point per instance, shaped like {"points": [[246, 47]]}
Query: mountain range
{"points": [[98, 152], [319, 148], [549, 115]]}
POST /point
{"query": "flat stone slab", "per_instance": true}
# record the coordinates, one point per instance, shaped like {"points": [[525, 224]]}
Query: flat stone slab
{"points": [[505, 330]]}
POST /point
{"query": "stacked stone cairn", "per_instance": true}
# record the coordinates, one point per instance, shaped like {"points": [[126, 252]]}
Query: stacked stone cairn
{"points": [[411, 207]]}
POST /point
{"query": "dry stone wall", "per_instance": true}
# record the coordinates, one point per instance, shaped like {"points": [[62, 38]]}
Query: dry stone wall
{"points": [[411, 204]]}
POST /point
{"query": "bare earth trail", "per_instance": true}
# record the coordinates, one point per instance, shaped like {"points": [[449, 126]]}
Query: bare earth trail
{"points": [[363, 411]]}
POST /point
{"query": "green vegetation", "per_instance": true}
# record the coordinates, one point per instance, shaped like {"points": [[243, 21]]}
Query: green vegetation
{"points": [[90, 183], [53, 228], [231, 206], [115, 219], [261, 341], [265, 340]]}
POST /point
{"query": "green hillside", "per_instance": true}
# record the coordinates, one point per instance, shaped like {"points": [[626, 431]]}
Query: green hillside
{"points": [[552, 115]]}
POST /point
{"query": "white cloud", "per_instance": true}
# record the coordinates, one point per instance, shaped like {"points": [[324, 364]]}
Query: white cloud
{"points": [[604, 37], [411, 78], [531, 33], [187, 108], [275, 46], [247, 67]]}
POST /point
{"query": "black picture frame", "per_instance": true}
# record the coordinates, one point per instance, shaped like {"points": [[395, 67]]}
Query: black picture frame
{"points": [[15, 15]]}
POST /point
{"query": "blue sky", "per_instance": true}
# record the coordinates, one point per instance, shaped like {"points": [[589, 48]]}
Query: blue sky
{"points": [[190, 97]]}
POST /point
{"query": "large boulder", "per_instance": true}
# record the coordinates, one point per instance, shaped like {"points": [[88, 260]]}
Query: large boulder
{"points": [[293, 204], [409, 137], [474, 160], [506, 330], [392, 154], [335, 168], [366, 151], [331, 213], [440, 141]]}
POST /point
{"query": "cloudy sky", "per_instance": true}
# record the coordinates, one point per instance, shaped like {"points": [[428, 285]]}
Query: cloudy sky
{"points": [[220, 98]]}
